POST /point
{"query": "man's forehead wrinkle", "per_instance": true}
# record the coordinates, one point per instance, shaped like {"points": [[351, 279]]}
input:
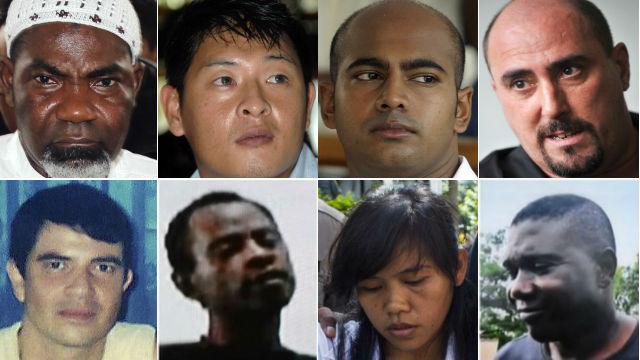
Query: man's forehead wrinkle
{"points": [[72, 43]]}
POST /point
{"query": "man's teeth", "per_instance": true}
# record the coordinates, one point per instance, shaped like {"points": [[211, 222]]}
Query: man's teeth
{"points": [[562, 136]]}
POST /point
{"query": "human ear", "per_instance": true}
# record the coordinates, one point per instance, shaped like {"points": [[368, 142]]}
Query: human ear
{"points": [[620, 56], [327, 104], [463, 109], [16, 279], [311, 96], [182, 283], [607, 263], [138, 74], [463, 262], [170, 100], [6, 80], [128, 280]]}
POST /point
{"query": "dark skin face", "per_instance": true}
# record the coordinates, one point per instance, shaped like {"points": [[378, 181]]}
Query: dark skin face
{"points": [[556, 285], [70, 86], [241, 260]]}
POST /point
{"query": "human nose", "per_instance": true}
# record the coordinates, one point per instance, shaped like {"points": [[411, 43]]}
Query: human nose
{"points": [[81, 283], [76, 105], [553, 100], [395, 301], [392, 94], [522, 287], [258, 256], [254, 102]]}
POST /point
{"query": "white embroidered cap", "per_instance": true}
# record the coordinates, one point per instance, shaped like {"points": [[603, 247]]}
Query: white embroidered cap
{"points": [[115, 16]]}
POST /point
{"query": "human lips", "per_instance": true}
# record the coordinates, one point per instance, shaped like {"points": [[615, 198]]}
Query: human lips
{"points": [[565, 138], [272, 277], [255, 137], [401, 330], [393, 130], [530, 314], [75, 141], [78, 315]]}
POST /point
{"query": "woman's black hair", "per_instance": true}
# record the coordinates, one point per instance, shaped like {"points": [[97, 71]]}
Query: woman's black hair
{"points": [[390, 220]]}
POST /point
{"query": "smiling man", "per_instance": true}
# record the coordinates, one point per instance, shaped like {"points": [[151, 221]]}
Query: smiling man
{"points": [[228, 253], [240, 90], [395, 98], [70, 267], [561, 257], [560, 82], [71, 77]]}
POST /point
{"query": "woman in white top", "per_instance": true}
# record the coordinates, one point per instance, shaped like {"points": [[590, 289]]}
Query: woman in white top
{"points": [[397, 258]]}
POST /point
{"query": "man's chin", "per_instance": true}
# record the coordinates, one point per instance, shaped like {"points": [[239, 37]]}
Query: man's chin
{"points": [[573, 165], [76, 162]]}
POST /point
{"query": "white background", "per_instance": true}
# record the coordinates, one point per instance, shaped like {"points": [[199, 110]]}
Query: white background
{"points": [[293, 204]]}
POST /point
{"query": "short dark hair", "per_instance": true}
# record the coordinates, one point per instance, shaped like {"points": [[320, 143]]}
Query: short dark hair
{"points": [[335, 52], [401, 218], [593, 16], [266, 21], [591, 218], [81, 207], [177, 240]]}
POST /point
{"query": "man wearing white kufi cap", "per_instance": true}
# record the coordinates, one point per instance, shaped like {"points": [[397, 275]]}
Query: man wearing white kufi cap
{"points": [[71, 76]]}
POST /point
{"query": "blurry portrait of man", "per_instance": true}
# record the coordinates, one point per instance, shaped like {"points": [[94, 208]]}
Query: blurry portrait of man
{"points": [[247, 263], [569, 264], [73, 257]]}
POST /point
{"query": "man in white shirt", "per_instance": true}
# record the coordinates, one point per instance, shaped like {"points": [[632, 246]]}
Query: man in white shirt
{"points": [[70, 265], [395, 97], [71, 78]]}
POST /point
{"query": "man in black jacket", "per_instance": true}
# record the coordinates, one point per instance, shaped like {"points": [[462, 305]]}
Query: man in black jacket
{"points": [[228, 253], [560, 82]]}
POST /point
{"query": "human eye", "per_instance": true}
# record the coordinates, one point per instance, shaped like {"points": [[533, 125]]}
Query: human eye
{"points": [[425, 79], [223, 81], [54, 265], [278, 79], [105, 268], [368, 76], [570, 71], [369, 286], [415, 282], [105, 82], [44, 80], [541, 267], [520, 84]]}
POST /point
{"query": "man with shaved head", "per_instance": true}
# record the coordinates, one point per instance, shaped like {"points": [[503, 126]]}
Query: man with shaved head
{"points": [[560, 79], [561, 258], [394, 97]]}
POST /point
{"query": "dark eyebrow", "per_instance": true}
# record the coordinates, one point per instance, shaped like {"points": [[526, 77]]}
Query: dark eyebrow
{"points": [[220, 62], [52, 255], [510, 75], [38, 64], [420, 63], [274, 57], [373, 62], [107, 259], [567, 60], [415, 269], [106, 70]]}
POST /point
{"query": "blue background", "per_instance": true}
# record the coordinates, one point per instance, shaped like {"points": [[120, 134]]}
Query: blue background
{"points": [[138, 198]]}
